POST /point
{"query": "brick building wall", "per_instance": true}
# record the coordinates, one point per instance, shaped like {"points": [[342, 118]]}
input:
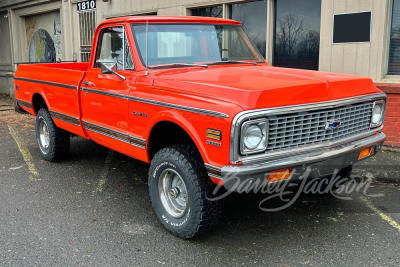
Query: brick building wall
{"points": [[392, 120]]}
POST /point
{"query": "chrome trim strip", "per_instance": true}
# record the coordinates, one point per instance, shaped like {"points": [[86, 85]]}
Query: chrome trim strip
{"points": [[251, 114], [107, 132], [47, 83], [65, 118], [95, 91], [135, 141], [213, 171], [161, 104], [24, 103], [180, 107]]}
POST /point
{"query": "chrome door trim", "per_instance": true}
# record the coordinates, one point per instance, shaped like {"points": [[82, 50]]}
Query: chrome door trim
{"points": [[135, 141], [65, 118]]}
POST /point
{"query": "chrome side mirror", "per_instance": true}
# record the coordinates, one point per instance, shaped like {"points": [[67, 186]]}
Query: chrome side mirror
{"points": [[110, 68]]}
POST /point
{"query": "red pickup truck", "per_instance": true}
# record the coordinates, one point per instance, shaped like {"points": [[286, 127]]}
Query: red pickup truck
{"points": [[194, 98]]}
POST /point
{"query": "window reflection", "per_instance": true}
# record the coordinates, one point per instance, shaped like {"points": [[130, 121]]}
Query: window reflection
{"points": [[192, 44], [253, 16], [212, 11], [297, 33], [394, 50]]}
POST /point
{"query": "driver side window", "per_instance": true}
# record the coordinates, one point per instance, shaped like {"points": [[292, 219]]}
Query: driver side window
{"points": [[114, 48]]}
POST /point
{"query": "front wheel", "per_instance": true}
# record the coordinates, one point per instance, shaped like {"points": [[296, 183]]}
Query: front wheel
{"points": [[180, 190], [54, 143]]}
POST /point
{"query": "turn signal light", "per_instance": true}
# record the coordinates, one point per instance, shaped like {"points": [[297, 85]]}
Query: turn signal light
{"points": [[365, 153], [280, 175]]}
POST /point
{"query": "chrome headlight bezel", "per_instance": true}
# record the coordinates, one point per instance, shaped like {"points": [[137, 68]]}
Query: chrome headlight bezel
{"points": [[262, 146], [382, 104]]}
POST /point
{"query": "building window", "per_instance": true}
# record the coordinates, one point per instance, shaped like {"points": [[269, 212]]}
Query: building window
{"points": [[394, 50], [253, 16], [212, 11], [87, 26], [297, 33]]}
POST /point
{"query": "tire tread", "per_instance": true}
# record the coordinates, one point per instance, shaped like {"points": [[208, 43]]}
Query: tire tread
{"points": [[59, 147], [206, 212]]}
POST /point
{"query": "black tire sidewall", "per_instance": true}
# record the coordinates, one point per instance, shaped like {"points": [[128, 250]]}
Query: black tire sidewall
{"points": [[175, 225]]}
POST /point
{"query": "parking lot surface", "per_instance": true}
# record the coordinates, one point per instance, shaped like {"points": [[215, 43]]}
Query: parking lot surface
{"points": [[93, 209]]}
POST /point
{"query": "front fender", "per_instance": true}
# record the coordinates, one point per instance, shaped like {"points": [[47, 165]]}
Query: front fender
{"points": [[195, 126]]}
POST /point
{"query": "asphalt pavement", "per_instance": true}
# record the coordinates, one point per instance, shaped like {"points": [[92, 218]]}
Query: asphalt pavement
{"points": [[93, 209]]}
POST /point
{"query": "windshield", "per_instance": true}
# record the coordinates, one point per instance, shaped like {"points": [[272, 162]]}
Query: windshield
{"points": [[169, 44]]}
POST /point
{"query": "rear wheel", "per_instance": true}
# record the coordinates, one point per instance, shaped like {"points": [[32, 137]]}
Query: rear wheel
{"points": [[179, 187], [54, 143]]}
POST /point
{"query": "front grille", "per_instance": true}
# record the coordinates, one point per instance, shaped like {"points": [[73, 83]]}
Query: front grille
{"points": [[308, 128]]}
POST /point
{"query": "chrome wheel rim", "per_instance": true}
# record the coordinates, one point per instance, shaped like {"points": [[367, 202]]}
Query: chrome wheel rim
{"points": [[173, 193], [44, 135]]}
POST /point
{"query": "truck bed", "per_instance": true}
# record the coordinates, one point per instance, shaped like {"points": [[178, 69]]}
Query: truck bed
{"points": [[59, 84]]}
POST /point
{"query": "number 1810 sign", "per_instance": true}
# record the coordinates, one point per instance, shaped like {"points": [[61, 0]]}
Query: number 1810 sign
{"points": [[87, 5]]}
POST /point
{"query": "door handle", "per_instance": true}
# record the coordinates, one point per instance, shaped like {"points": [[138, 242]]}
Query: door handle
{"points": [[87, 83]]}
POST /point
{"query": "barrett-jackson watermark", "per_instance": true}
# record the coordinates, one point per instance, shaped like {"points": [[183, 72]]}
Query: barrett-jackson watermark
{"points": [[288, 191]]}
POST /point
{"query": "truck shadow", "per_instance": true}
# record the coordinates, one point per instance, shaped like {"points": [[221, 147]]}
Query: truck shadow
{"points": [[242, 218]]}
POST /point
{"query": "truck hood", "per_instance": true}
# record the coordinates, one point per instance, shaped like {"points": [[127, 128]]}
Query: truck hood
{"points": [[262, 86]]}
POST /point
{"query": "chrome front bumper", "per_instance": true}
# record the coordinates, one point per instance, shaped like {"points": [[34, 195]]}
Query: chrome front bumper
{"points": [[320, 163]]}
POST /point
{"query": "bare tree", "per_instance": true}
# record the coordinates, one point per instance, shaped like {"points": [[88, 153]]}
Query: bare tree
{"points": [[215, 12], [309, 45], [243, 18], [291, 30], [253, 34]]}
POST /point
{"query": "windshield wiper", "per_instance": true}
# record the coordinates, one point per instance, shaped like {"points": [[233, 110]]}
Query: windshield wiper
{"points": [[233, 61], [179, 65]]}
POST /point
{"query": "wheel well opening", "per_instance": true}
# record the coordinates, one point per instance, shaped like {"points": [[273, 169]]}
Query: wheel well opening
{"points": [[166, 134], [38, 103]]}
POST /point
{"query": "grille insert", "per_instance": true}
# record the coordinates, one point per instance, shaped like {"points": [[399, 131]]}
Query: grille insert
{"points": [[308, 128]]}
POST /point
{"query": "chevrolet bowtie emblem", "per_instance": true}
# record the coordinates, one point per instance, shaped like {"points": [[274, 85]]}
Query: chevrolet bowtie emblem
{"points": [[331, 125]]}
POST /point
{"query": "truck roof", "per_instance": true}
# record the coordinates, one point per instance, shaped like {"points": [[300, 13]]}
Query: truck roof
{"points": [[170, 19]]}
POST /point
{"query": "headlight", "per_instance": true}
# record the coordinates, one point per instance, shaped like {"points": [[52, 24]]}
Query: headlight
{"points": [[254, 136], [378, 111]]}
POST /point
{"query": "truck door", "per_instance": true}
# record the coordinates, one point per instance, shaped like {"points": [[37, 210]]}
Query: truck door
{"points": [[104, 96]]}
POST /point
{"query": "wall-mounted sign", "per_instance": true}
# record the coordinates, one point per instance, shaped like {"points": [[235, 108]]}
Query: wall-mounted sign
{"points": [[352, 27], [86, 5]]}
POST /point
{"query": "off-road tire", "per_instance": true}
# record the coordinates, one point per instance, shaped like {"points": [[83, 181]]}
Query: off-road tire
{"points": [[201, 214], [59, 140]]}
